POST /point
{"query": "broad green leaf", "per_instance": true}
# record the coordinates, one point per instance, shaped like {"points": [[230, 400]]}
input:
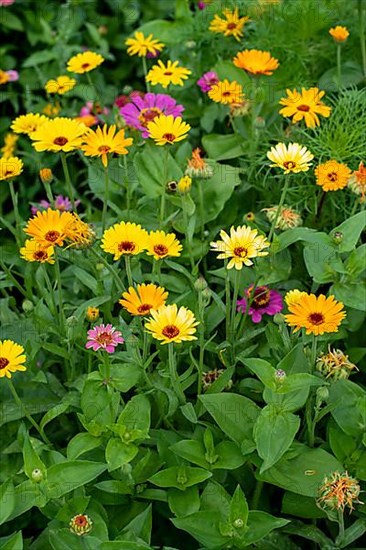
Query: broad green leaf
{"points": [[356, 262], [118, 453], [6, 500], [287, 238], [31, 459], [86, 279], [301, 506], [351, 75], [67, 476], [26, 495], [179, 477], [63, 539], [82, 443], [203, 526], [38, 58], [263, 369], [136, 415], [13, 542], [349, 411], [141, 525], [184, 503], [323, 262], [124, 376], [114, 486], [155, 167], [351, 230], [55, 412], [223, 147], [99, 404], [260, 524], [239, 508], [351, 294]]}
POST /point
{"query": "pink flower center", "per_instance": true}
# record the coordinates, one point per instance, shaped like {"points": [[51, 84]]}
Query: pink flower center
{"points": [[147, 115], [104, 338], [4, 362], [170, 331], [316, 318]]}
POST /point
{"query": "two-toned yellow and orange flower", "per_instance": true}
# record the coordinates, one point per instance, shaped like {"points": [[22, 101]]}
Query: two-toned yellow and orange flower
{"points": [[316, 314], [168, 324], [339, 33], [105, 141], [240, 247], [305, 105], [226, 92], [59, 134], [124, 238], [290, 158], [50, 227], [256, 62], [143, 299], [10, 167], [84, 62], [34, 251], [161, 245], [165, 129], [12, 358], [231, 24], [27, 124]]}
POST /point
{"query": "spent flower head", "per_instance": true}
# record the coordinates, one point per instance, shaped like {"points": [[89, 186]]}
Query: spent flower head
{"points": [[339, 490]]}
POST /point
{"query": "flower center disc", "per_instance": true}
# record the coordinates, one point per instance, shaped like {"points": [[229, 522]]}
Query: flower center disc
{"points": [[52, 236], [332, 176], [289, 164], [85, 65], [4, 362], [144, 308], [81, 520], [160, 249], [304, 108], [61, 140], [104, 149], [104, 338], [231, 26], [40, 255], [240, 251], [316, 318], [170, 331], [147, 115], [168, 73], [261, 297], [169, 137], [126, 246]]}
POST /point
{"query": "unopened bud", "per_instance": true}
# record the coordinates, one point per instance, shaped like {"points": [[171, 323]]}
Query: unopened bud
{"points": [[337, 237], [280, 375], [81, 524], [46, 175], [37, 475], [27, 306], [238, 523], [322, 394], [200, 284]]}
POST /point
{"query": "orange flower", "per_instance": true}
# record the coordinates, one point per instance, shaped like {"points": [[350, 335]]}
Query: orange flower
{"points": [[340, 34], [256, 62]]}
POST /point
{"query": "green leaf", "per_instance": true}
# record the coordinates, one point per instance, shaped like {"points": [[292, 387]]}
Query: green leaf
{"points": [[114, 486], [99, 404], [124, 376], [226, 69], [352, 533], [260, 524], [322, 262], [31, 458], [179, 477], [151, 170], [86, 279], [203, 526], [301, 506], [223, 147], [6, 500], [136, 415], [351, 294], [287, 238], [38, 58], [54, 413], [351, 230], [82, 443], [184, 503], [63, 539], [349, 410], [351, 75], [67, 476], [356, 262], [13, 542], [141, 525], [239, 508], [118, 453], [263, 369], [11, 21], [26, 495]]}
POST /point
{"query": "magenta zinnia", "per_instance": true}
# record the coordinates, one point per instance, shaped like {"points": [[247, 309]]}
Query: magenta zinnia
{"points": [[262, 300], [104, 337]]}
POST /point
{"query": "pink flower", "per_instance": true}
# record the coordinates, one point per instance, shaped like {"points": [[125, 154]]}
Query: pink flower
{"points": [[61, 203], [142, 110], [93, 109], [6, 2], [263, 301], [104, 337], [201, 5], [207, 81], [13, 75]]}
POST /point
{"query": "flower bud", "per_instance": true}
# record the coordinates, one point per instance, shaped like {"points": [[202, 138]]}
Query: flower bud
{"points": [[80, 524], [280, 375], [46, 175], [92, 313], [171, 186], [238, 523], [338, 491], [337, 237], [37, 475], [184, 185], [200, 284], [27, 306], [322, 394]]}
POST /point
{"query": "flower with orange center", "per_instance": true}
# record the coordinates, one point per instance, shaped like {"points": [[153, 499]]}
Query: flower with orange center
{"points": [[124, 238], [167, 74], [34, 251], [286, 219], [50, 227], [168, 324], [332, 175], [59, 134], [256, 62], [226, 92], [357, 182], [240, 247], [338, 491], [84, 62], [145, 298], [340, 34], [306, 106], [12, 358], [105, 141], [141, 45], [167, 129], [292, 158], [230, 25], [316, 314], [161, 245]]}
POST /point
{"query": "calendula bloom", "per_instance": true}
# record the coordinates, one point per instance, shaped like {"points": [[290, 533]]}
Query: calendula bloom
{"points": [[104, 337], [50, 227], [256, 62], [184, 185], [357, 182], [84, 62], [33, 251], [52, 109], [10, 141], [27, 124], [335, 365], [167, 74], [162, 245], [168, 324], [241, 246], [197, 167], [10, 168], [79, 233], [12, 358], [167, 129], [59, 134], [306, 106], [291, 158], [60, 85], [226, 92], [262, 301], [141, 301], [142, 45], [105, 141], [293, 297], [124, 238], [230, 25], [92, 313], [340, 34], [142, 110], [288, 218], [4, 77], [332, 175], [207, 80], [338, 491], [81, 524], [316, 314]]}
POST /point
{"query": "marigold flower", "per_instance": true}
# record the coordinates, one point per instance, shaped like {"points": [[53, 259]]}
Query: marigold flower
{"points": [[124, 238], [262, 300], [340, 34], [59, 134], [84, 62], [92, 313], [11, 358], [241, 246], [168, 324], [184, 185], [294, 296], [226, 92], [338, 491], [306, 105], [161, 245], [207, 80], [10, 168], [4, 77], [332, 175], [105, 141], [230, 25], [197, 166], [27, 124], [81, 524], [167, 129], [287, 218], [142, 301], [357, 182], [33, 251], [60, 85], [335, 365], [50, 227], [256, 62], [79, 233], [169, 74], [292, 158], [104, 337], [317, 314], [142, 45]]}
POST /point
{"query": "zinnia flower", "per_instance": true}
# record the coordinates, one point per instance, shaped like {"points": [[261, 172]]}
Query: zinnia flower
{"points": [[161, 245], [142, 110], [63, 204], [317, 314], [287, 218], [81, 524], [338, 491], [357, 182], [167, 129], [207, 80], [332, 175], [104, 141], [142, 45], [104, 337], [256, 62], [33, 251], [232, 25], [59, 134], [340, 34], [84, 62], [27, 124], [90, 113], [197, 167], [262, 301], [240, 246], [142, 301], [11, 358], [226, 92], [10, 168], [292, 158], [49, 228], [124, 238], [168, 324], [60, 85], [305, 105], [169, 74]]}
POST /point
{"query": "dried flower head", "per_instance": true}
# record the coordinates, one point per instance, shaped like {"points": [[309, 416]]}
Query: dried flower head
{"points": [[197, 166], [338, 491], [357, 181], [335, 364], [287, 218], [209, 377]]}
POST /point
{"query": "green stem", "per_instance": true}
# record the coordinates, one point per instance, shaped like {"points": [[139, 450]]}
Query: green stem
{"points": [[145, 343], [119, 284], [256, 495], [50, 290], [361, 12], [339, 72], [144, 67], [14, 281], [156, 272], [49, 194], [18, 220], [23, 408], [282, 200], [67, 179], [106, 197], [340, 523], [174, 375], [313, 354], [107, 365], [233, 313], [128, 270], [62, 316], [188, 236], [128, 197], [355, 207], [201, 209], [309, 412], [227, 301], [201, 308], [91, 84]]}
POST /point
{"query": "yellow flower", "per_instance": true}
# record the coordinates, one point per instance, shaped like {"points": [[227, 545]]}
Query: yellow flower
{"points": [[10, 141], [124, 238], [142, 45], [294, 296], [79, 233], [33, 251], [332, 175], [59, 134], [27, 124], [46, 175], [52, 109], [92, 313], [168, 324], [305, 105], [60, 85], [232, 25], [240, 246], [340, 34], [49, 228], [292, 158], [317, 314], [4, 77], [11, 358], [104, 141], [184, 185], [167, 129], [161, 245], [142, 301], [226, 92], [10, 168], [169, 74], [256, 62], [84, 62]]}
